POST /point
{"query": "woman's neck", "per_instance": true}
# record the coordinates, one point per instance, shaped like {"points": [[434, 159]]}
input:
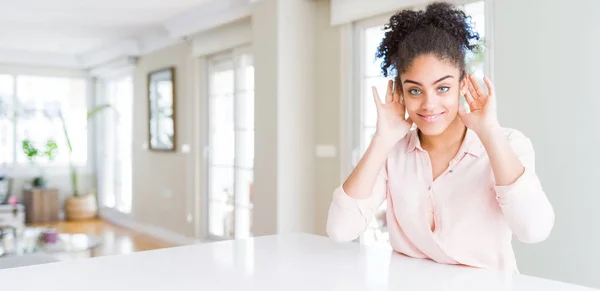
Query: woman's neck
{"points": [[450, 139]]}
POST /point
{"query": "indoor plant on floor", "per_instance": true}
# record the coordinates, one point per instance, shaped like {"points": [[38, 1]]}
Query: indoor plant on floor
{"points": [[80, 206]]}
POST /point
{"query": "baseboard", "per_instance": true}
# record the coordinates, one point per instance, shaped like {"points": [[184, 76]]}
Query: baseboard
{"points": [[126, 221]]}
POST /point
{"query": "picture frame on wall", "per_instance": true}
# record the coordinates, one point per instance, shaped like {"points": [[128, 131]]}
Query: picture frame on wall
{"points": [[161, 110]]}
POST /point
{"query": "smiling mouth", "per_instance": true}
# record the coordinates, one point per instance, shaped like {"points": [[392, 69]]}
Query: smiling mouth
{"points": [[431, 117]]}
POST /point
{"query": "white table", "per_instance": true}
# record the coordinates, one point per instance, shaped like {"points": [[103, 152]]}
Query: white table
{"points": [[284, 262], [8, 262]]}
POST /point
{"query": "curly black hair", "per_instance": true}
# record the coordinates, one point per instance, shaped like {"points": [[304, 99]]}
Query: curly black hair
{"points": [[441, 30]]}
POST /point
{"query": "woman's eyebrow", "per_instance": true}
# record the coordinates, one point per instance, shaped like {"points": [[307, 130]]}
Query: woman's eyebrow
{"points": [[442, 79], [417, 83]]}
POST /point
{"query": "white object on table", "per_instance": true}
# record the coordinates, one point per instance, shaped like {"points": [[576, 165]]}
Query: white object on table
{"points": [[283, 262]]}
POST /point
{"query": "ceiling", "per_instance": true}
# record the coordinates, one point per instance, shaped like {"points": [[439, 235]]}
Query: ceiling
{"points": [[68, 29]]}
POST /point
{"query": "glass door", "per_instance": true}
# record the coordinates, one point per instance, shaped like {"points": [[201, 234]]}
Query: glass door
{"points": [[230, 145]]}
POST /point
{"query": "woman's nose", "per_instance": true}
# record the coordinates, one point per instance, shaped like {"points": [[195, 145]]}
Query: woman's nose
{"points": [[430, 102]]}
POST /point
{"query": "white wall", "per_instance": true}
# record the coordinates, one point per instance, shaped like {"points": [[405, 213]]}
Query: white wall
{"points": [[295, 115], [327, 111], [168, 202], [163, 182], [285, 86], [265, 48], [546, 74]]}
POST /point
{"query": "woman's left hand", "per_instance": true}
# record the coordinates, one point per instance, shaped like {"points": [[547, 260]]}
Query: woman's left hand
{"points": [[483, 116]]}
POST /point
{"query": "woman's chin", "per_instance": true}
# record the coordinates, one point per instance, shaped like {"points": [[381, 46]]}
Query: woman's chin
{"points": [[432, 129]]}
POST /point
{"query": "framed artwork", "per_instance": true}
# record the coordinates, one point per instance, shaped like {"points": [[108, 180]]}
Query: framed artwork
{"points": [[161, 110]]}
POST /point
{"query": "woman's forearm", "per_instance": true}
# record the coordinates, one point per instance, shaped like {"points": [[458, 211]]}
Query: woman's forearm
{"points": [[359, 184], [504, 161]]}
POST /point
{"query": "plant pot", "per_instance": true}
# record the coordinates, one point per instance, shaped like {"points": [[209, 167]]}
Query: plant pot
{"points": [[81, 207]]}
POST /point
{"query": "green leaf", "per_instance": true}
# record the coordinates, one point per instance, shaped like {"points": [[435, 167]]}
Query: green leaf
{"points": [[29, 150], [96, 110], [64, 126], [51, 149]]}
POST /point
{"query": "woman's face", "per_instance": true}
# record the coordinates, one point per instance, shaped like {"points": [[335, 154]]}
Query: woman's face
{"points": [[431, 90]]}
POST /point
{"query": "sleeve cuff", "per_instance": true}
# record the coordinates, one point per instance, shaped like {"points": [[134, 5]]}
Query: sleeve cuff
{"points": [[528, 181]]}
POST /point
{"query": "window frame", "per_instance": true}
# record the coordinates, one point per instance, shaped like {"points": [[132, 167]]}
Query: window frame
{"points": [[25, 171]]}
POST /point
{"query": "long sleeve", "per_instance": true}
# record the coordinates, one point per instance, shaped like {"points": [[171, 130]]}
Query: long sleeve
{"points": [[349, 217], [524, 203]]}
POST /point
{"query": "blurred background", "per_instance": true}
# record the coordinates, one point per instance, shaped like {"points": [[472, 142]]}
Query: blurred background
{"points": [[132, 125]]}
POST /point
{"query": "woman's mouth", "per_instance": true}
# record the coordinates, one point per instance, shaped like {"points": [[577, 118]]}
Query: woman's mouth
{"points": [[431, 117]]}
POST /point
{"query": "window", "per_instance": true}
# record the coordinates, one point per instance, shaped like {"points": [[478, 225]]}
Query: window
{"points": [[116, 132], [7, 144], [29, 110], [476, 62], [231, 145], [369, 35]]}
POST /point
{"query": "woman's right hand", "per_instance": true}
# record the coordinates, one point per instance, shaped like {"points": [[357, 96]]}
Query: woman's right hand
{"points": [[392, 125]]}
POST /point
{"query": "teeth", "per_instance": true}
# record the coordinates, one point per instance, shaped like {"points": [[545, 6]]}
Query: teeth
{"points": [[431, 117]]}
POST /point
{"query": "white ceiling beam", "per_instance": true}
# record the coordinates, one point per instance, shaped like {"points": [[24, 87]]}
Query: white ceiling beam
{"points": [[210, 15], [115, 16], [19, 57], [151, 44], [64, 30], [124, 48], [223, 38], [206, 17], [39, 70], [126, 64]]}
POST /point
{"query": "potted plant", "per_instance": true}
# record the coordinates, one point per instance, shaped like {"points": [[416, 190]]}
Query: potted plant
{"points": [[79, 206], [32, 153]]}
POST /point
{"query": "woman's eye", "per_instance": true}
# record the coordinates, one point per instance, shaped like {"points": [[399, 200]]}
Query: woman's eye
{"points": [[443, 89], [414, 91]]}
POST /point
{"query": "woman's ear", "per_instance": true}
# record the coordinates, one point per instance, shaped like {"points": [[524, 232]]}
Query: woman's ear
{"points": [[463, 85]]}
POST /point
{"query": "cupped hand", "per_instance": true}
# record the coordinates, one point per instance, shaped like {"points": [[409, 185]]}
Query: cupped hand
{"points": [[483, 116], [392, 125]]}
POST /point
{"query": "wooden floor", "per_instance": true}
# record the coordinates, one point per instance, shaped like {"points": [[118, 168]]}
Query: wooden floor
{"points": [[115, 240]]}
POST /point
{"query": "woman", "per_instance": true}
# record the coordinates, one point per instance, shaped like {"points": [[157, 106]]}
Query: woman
{"points": [[459, 185]]}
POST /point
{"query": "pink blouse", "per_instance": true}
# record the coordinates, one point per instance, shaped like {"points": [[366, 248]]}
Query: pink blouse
{"points": [[473, 219]]}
